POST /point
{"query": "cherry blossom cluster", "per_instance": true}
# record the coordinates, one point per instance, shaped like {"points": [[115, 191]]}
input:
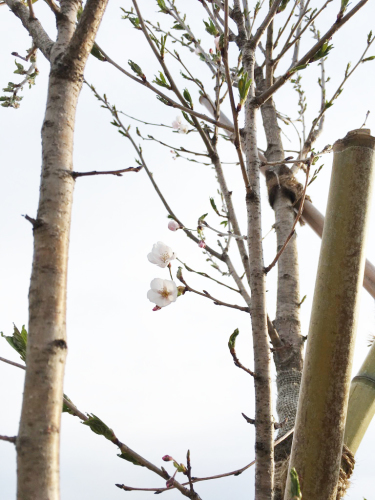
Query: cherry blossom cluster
{"points": [[162, 292], [178, 125]]}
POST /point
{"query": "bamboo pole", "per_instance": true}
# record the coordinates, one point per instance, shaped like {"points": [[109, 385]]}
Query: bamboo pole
{"points": [[321, 414], [361, 406]]}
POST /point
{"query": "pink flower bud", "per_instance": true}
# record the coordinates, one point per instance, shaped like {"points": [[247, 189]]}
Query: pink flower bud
{"points": [[211, 51], [202, 244], [167, 458], [156, 308], [173, 225], [170, 482]]}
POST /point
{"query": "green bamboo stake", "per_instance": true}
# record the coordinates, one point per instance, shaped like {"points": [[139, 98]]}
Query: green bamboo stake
{"points": [[361, 406], [320, 423]]}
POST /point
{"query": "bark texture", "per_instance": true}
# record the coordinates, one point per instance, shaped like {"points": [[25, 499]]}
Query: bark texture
{"points": [[288, 360], [262, 359], [39, 433]]}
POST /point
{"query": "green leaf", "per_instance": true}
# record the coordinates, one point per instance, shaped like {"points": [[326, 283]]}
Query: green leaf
{"points": [[20, 69], [344, 6], [371, 58], [65, 408], [161, 81], [135, 22], [187, 118], [213, 205], [295, 490], [243, 87], [99, 427], [188, 98], [177, 26], [202, 217], [137, 70], [298, 68], [162, 45], [303, 300], [163, 7], [322, 52], [210, 28], [95, 51], [18, 341], [126, 456], [179, 467], [232, 339], [282, 6], [164, 101]]}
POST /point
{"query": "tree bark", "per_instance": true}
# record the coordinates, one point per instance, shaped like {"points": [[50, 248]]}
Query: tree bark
{"points": [[264, 423], [289, 359], [39, 433]]}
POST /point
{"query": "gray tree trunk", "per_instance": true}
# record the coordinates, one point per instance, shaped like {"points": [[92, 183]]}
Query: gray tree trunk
{"points": [[39, 433]]}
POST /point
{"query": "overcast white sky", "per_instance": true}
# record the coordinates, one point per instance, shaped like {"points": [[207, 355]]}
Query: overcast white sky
{"points": [[164, 381]]}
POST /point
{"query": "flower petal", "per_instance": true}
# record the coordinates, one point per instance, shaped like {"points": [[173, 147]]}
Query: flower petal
{"points": [[157, 284]]}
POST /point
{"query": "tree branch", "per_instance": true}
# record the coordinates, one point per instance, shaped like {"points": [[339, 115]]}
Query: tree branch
{"points": [[236, 472], [262, 28], [112, 172], [12, 439], [33, 26], [84, 36]]}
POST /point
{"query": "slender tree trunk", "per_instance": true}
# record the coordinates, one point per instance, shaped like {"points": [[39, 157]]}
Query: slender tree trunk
{"points": [[262, 360], [39, 433], [288, 361]]}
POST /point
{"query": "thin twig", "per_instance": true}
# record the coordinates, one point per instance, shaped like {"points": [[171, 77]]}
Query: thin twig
{"points": [[125, 449], [209, 296], [236, 472], [112, 172], [237, 137], [237, 362], [220, 233], [190, 270], [188, 471], [314, 132], [4, 360], [261, 99], [11, 439], [264, 25], [170, 101], [126, 134]]}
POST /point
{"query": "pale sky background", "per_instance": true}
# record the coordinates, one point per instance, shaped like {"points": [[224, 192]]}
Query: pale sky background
{"points": [[165, 382]]}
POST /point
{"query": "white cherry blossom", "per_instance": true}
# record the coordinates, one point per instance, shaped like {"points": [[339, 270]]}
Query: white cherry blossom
{"points": [[161, 254], [162, 292], [179, 125]]}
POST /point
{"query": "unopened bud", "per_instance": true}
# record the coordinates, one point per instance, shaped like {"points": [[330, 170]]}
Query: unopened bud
{"points": [[202, 244], [167, 458], [173, 225], [169, 483], [156, 308]]}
